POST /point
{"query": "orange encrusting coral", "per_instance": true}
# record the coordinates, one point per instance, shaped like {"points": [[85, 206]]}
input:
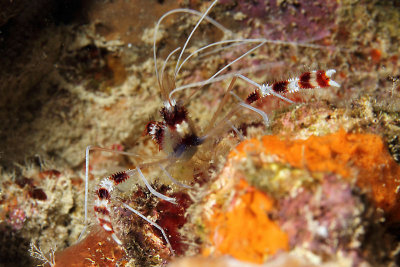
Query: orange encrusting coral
{"points": [[361, 155], [245, 231]]}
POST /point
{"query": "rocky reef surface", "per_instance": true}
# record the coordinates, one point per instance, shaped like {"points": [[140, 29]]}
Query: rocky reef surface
{"points": [[318, 186]]}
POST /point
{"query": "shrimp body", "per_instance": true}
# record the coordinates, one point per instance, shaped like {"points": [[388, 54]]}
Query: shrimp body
{"points": [[176, 134]]}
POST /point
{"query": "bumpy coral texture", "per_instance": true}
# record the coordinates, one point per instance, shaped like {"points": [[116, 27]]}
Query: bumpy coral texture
{"points": [[325, 220], [351, 155], [244, 230]]}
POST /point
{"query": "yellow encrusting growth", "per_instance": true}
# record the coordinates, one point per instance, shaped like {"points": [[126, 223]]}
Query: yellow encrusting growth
{"points": [[360, 156], [245, 231]]}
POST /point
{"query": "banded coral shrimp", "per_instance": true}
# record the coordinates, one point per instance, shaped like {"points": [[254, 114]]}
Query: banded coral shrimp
{"points": [[176, 134]]}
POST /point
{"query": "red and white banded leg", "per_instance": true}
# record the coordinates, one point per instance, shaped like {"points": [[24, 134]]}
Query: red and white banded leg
{"points": [[106, 187]]}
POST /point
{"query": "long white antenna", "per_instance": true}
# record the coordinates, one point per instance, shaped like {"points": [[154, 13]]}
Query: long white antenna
{"points": [[181, 10], [222, 77], [164, 65], [86, 191], [194, 29], [213, 78], [239, 41]]}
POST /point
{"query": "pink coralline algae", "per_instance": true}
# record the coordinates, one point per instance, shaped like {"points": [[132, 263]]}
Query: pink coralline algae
{"points": [[324, 220], [16, 219], [281, 20]]}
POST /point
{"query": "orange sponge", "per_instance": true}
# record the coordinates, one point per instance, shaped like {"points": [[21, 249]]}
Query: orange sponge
{"points": [[245, 231], [363, 156]]}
